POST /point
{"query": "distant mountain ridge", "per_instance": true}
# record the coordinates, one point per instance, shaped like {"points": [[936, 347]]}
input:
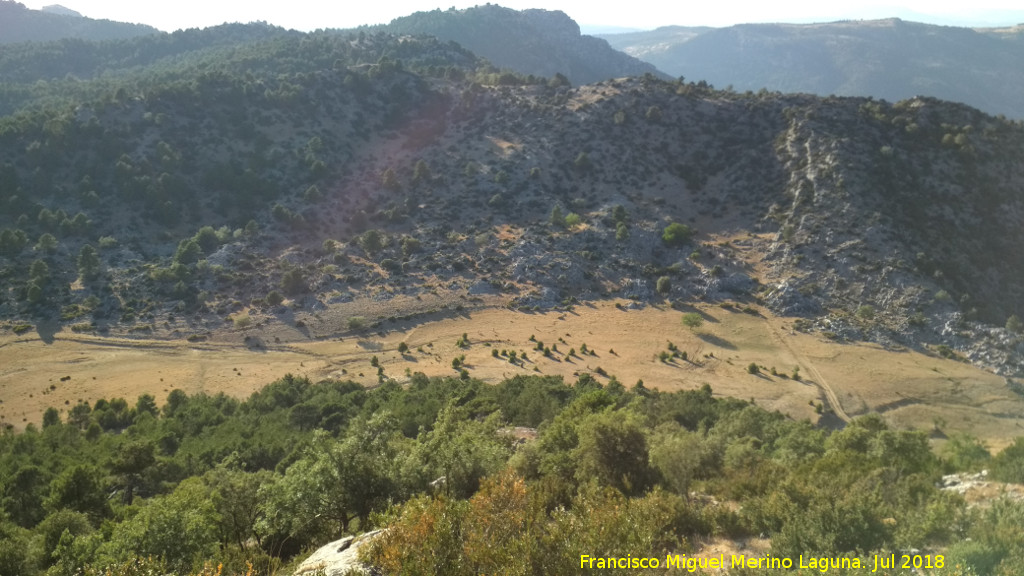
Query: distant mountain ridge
{"points": [[21, 24], [891, 59], [538, 42]]}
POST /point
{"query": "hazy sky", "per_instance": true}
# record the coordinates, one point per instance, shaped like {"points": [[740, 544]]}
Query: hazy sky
{"points": [[312, 14]]}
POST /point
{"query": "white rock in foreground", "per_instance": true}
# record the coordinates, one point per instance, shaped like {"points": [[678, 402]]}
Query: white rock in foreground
{"points": [[339, 557]]}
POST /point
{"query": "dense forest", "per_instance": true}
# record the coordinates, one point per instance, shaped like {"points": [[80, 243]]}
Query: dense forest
{"points": [[536, 473]]}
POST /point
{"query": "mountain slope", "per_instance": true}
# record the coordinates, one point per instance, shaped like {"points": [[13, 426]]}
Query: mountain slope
{"points": [[890, 59], [538, 42], [20, 24], [335, 168]]}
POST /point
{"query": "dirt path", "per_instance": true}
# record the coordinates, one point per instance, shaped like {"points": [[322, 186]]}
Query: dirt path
{"points": [[818, 380]]}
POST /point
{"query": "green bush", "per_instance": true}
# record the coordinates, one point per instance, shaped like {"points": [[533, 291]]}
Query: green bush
{"points": [[621, 232], [557, 219], [372, 241], [274, 298], [1008, 465], [1014, 324], [676, 234], [293, 282]]}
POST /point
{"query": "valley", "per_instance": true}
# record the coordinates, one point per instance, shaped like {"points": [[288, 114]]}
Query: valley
{"points": [[912, 389]]}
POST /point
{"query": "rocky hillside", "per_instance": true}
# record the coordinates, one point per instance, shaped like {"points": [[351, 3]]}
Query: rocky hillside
{"points": [[20, 24], [538, 42], [891, 59], [318, 170]]}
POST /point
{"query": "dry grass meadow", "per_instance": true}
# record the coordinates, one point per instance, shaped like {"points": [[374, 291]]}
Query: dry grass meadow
{"points": [[910, 388]]}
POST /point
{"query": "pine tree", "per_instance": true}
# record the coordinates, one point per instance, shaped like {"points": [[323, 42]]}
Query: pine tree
{"points": [[88, 263]]}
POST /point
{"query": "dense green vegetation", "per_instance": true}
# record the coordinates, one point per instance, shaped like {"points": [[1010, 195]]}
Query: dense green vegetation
{"points": [[210, 479]]}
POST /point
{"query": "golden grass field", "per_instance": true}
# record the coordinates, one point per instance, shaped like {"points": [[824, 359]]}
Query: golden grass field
{"points": [[911, 389]]}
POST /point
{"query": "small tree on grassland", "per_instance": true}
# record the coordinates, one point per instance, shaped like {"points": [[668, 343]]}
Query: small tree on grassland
{"points": [[693, 320]]}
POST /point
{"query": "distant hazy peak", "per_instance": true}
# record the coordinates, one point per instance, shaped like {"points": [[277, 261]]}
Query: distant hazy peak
{"points": [[19, 23], [63, 11]]}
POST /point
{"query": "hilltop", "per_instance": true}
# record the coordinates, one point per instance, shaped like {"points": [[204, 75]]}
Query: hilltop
{"points": [[892, 59], [537, 42]]}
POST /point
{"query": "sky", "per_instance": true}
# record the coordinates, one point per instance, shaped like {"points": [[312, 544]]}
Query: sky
{"points": [[639, 14]]}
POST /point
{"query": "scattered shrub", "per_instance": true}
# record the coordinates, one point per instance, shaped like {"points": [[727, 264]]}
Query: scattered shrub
{"points": [[274, 298], [693, 320], [866, 312]]}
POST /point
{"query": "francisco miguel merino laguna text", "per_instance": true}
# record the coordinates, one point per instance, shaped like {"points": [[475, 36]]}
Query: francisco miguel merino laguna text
{"points": [[692, 564]]}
